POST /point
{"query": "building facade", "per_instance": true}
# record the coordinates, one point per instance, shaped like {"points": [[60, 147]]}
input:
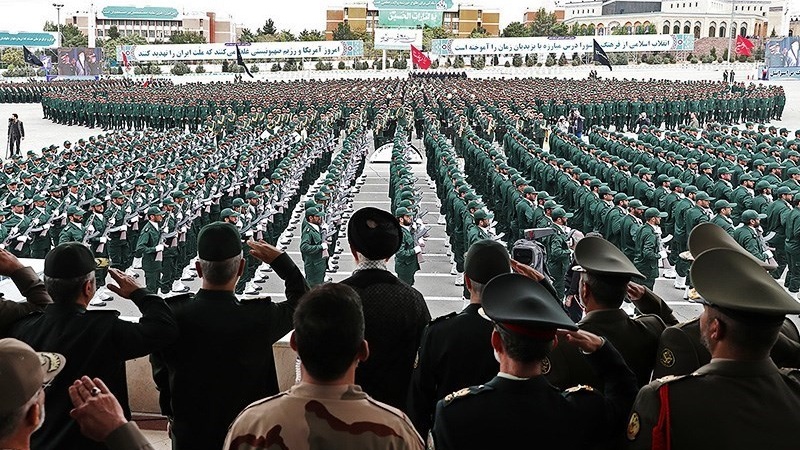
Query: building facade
{"points": [[702, 18], [155, 24], [460, 20]]}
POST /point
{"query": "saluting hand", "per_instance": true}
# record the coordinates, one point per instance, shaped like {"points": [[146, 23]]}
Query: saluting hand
{"points": [[635, 291], [264, 251], [584, 340], [126, 284], [8, 263], [526, 270]]}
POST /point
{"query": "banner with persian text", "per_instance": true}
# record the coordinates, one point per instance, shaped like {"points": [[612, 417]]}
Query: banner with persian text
{"points": [[397, 39], [256, 50], [409, 18], [563, 44]]}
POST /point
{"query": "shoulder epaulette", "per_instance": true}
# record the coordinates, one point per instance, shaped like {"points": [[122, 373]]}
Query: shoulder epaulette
{"points": [[790, 371], [472, 390], [673, 378], [443, 318]]}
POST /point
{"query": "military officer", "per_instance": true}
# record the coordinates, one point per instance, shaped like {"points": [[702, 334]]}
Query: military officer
{"points": [[519, 401], [558, 251], [406, 260], [775, 214], [739, 352], [749, 236]]}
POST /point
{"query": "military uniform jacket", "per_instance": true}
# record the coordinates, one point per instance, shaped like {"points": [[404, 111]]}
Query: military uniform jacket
{"points": [[292, 418], [237, 337], [30, 286], [758, 406], [515, 411], [406, 256], [450, 344], [97, 344], [73, 232], [748, 238]]}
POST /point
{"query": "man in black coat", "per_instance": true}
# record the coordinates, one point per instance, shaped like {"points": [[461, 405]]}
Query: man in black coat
{"points": [[518, 404], [96, 343], [16, 133], [457, 340], [231, 339], [395, 314]]}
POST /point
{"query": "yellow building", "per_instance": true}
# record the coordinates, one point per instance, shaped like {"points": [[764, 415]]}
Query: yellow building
{"points": [[461, 20]]}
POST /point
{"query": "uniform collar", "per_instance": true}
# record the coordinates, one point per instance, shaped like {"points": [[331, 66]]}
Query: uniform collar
{"points": [[739, 369]]}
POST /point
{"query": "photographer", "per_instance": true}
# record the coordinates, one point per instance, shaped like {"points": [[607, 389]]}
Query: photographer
{"points": [[16, 133]]}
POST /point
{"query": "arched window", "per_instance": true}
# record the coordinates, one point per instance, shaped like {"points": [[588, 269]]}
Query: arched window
{"points": [[722, 31], [743, 30], [666, 27], [676, 28], [711, 31], [697, 32]]}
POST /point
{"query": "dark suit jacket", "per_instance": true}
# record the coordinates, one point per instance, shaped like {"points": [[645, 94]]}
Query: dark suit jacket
{"points": [[449, 345], [30, 286], [97, 344], [223, 359], [395, 314]]}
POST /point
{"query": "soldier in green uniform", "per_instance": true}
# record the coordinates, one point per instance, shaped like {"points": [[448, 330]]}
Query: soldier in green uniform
{"points": [[648, 247], [558, 251], [151, 247], [313, 248], [406, 261], [722, 218], [40, 238], [74, 231], [748, 235], [775, 214]]}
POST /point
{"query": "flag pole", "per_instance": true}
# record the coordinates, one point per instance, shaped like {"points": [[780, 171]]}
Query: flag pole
{"points": [[732, 32]]}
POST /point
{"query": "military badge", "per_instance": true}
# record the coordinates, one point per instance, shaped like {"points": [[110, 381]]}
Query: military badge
{"points": [[667, 358], [633, 427]]}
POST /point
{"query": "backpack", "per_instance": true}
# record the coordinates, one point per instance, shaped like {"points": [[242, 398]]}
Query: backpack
{"points": [[530, 253]]}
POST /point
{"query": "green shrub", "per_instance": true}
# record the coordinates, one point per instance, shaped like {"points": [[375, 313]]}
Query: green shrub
{"points": [[199, 69]]}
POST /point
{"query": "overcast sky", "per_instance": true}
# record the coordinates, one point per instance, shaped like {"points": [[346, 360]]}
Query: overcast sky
{"points": [[30, 15]]}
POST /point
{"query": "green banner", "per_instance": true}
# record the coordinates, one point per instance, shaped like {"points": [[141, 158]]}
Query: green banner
{"points": [[148, 12], [39, 39], [409, 18], [426, 5]]}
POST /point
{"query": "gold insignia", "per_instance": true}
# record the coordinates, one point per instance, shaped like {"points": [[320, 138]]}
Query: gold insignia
{"points": [[633, 427], [667, 358], [416, 360], [546, 366], [580, 387], [460, 393], [102, 263], [50, 362], [667, 379]]}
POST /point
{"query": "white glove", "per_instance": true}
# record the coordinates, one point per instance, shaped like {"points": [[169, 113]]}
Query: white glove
{"points": [[184, 229], [417, 249], [421, 241], [123, 227], [46, 226], [103, 240], [249, 233], [768, 254], [324, 252], [159, 248], [22, 238], [663, 253], [134, 219], [35, 221]]}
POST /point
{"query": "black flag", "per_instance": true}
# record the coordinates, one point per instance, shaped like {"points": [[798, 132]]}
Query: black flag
{"points": [[600, 55], [240, 61], [30, 58]]}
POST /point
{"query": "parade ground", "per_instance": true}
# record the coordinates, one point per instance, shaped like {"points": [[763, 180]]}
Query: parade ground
{"points": [[434, 280]]}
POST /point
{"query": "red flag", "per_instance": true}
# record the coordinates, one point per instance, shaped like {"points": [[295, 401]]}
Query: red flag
{"points": [[125, 61], [743, 46], [419, 58]]}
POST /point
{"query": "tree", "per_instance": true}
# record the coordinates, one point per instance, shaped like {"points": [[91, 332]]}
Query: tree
{"points": [[247, 36], [180, 68], [311, 35], [12, 57], [110, 45], [517, 60], [71, 35], [478, 62], [343, 32], [285, 36], [546, 24], [186, 37], [478, 33], [268, 28], [431, 33], [113, 32], [516, 29]]}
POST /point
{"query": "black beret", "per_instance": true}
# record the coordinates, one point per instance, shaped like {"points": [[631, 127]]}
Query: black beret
{"points": [[69, 260], [485, 260], [218, 241], [374, 233]]}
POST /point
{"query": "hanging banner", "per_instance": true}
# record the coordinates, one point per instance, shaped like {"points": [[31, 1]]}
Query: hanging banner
{"points": [[565, 44], [783, 73], [409, 18], [256, 50], [397, 39], [35, 39], [783, 52], [428, 5]]}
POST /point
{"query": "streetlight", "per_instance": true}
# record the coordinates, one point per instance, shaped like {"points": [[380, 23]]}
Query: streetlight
{"points": [[58, 7]]}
